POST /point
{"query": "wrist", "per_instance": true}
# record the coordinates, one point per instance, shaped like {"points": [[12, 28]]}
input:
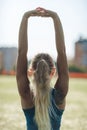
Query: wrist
{"points": [[52, 14], [27, 15], [55, 17]]}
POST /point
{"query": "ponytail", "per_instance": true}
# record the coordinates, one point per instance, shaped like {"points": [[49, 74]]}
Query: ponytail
{"points": [[42, 99]]}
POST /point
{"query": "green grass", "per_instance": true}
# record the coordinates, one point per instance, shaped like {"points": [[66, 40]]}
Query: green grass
{"points": [[75, 116], [11, 115]]}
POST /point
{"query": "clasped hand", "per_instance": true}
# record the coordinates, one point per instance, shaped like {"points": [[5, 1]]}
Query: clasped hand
{"points": [[40, 12]]}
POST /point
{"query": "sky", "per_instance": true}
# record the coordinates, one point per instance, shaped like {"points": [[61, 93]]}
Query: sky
{"points": [[41, 36]]}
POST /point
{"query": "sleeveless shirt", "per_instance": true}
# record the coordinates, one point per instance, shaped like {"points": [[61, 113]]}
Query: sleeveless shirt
{"points": [[54, 120]]}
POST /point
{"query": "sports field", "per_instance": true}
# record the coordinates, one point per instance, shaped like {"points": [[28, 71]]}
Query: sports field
{"points": [[12, 118]]}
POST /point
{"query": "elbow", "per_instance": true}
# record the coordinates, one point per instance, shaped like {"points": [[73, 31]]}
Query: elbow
{"points": [[17, 75], [22, 51]]}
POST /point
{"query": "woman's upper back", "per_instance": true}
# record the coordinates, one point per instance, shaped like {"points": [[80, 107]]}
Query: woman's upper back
{"points": [[55, 115]]}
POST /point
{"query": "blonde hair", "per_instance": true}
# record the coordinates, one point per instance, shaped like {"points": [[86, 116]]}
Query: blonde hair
{"points": [[42, 64]]}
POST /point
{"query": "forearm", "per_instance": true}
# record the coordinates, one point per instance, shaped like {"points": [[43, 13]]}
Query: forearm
{"points": [[23, 41], [59, 35], [60, 44]]}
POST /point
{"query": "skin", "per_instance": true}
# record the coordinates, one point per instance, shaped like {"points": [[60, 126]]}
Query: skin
{"points": [[23, 82]]}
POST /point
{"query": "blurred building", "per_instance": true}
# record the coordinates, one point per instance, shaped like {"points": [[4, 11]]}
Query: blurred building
{"points": [[81, 53], [8, 58]]}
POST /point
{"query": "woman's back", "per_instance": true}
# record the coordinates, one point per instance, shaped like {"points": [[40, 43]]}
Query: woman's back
{"points": [[55, 115]]}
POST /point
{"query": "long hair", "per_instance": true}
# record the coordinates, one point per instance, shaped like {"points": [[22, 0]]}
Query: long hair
{"points": [[42, 64]]}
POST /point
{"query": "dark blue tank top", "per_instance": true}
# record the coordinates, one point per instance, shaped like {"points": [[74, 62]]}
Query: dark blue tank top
{"points": [[55, 121]]}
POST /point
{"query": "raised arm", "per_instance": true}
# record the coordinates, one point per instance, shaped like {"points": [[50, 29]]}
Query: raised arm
{"points": [[61, 85], [21, 76]]}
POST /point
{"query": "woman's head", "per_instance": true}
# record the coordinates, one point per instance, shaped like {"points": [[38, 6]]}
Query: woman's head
{"points": [[42, 56], [42, 64]]}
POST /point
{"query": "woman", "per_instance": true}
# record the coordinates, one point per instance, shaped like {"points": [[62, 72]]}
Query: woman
{"points": [[43, 106]]}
